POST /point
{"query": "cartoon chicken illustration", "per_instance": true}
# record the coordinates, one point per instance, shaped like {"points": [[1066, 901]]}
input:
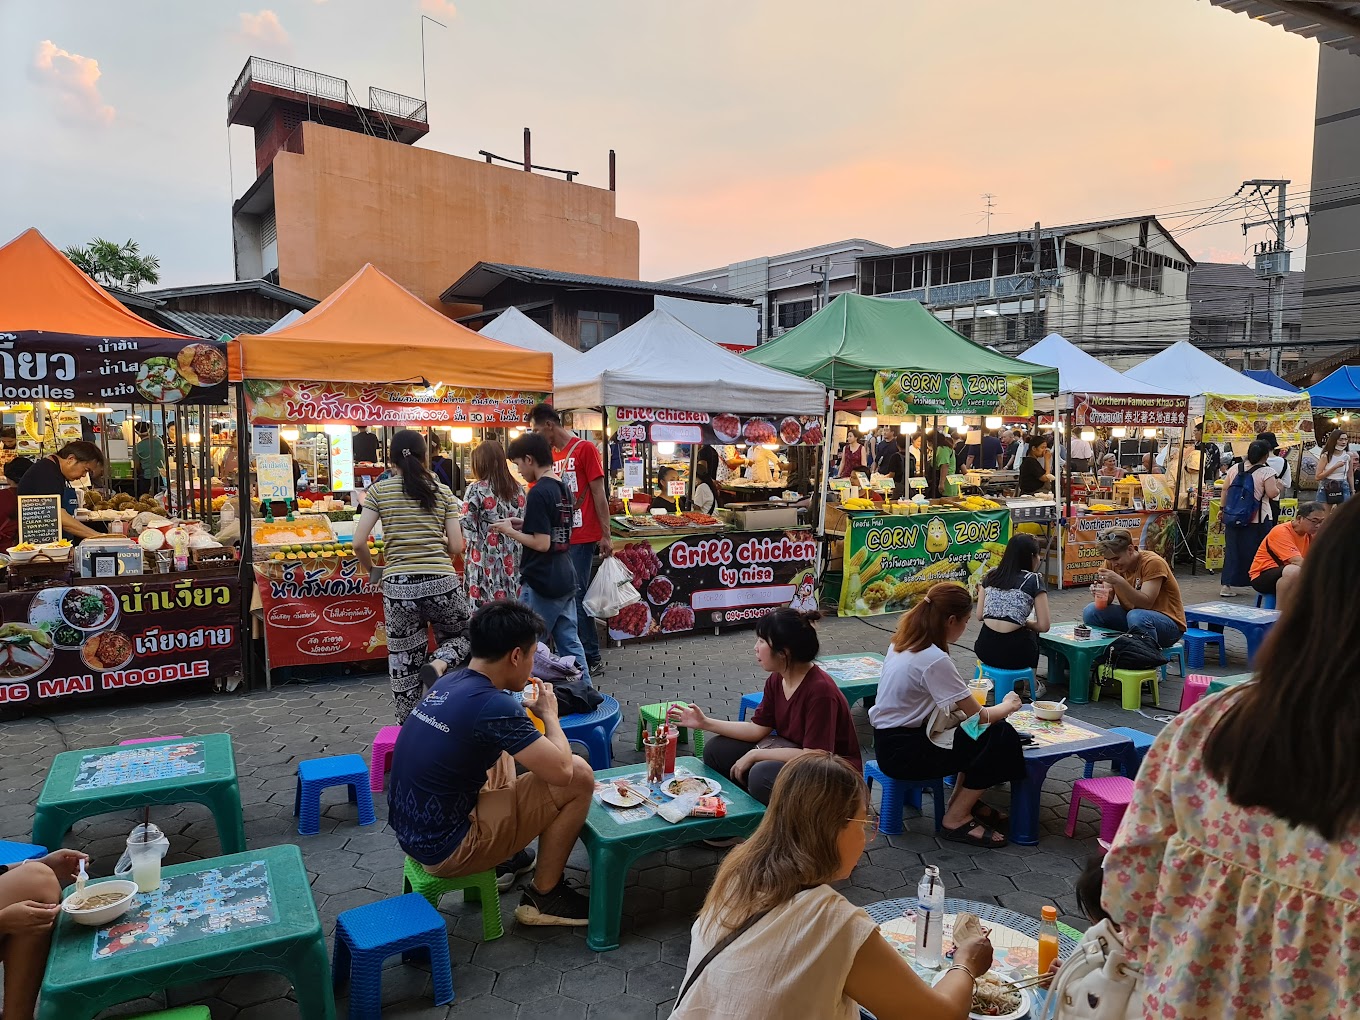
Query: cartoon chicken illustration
{"points": [[937, 536]]}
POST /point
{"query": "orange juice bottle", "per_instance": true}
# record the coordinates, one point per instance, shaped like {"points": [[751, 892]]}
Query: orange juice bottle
{"points": [[1048, 938]]}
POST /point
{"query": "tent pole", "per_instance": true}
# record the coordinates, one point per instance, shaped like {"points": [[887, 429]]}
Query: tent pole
{"points": [[821, 487], [1194, 510], [246, 568]]}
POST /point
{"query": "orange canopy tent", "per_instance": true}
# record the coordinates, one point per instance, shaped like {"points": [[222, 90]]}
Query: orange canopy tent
{"points": [[373, 330]]}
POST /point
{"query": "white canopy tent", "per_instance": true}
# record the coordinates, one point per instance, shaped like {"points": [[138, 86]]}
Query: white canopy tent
{"points": [[514, 327], [1079, 372], [1186, 370], [660, 362]]}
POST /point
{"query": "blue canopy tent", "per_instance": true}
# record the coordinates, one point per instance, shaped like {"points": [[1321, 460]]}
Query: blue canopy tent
{"points": [[1265, 375], [1340, 389]]}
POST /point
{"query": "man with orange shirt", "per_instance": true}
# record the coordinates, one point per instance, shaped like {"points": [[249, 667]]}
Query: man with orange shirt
{"points": [[1275, 569]]}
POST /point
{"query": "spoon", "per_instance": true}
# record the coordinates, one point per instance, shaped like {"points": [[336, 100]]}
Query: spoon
{"points": [[1062, 701], [81, 877]]}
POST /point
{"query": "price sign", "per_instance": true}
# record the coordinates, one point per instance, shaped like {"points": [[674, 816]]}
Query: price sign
{"points": [[674, 489], [956, 479], [39, 519], [342, 459], [624, 492], [274, 476], [917, 483]]}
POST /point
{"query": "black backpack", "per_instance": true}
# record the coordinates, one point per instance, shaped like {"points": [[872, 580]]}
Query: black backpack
{"points": [[1134, 650]]}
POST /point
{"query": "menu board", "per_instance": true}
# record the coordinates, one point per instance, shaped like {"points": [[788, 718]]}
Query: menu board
{"points": [[274, 476], [39, 519]]}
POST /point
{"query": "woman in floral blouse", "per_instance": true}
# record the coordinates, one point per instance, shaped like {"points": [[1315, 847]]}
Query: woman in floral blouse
{"points": [[1236, 871], [492, 561]]}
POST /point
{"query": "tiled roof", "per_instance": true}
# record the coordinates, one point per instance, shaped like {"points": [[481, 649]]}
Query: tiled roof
{"points": [[482, 278]]}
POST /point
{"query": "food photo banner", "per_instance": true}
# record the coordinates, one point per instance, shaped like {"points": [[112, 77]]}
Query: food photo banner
{"points": [[276, 402], [1106, 409], [1082, 559], [913, 392], [697, 581], [662, 425], [37, 365], [70, 642], [1228, 418], [891, 561], [321, 611]]}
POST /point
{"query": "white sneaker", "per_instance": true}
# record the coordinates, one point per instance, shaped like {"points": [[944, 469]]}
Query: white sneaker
{"points": [[1227, 593]]}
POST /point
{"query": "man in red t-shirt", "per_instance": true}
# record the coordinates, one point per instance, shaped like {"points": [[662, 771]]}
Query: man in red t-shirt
{"points": [[578, 463]]}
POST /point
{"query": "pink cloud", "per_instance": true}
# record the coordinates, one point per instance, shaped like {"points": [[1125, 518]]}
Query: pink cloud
{"points": [[263, 27], [75, 79], [439, 8]]}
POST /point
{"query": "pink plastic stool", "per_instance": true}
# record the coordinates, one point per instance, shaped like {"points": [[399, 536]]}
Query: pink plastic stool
{"points": [[1196, 686], [1111, 794], [151, 740], [383, 745]]}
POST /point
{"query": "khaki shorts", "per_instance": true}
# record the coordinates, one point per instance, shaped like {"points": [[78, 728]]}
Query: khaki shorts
{"points": [[511, 812]]}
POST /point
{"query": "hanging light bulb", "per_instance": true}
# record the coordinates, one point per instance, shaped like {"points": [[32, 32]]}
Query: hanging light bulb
{"points": [[1149, 433], [665, 449], [1118, 432], [1088, 434], [953, 420], [868, 422], [993, 421], [461, 434], [290, 434], [909, 428]]}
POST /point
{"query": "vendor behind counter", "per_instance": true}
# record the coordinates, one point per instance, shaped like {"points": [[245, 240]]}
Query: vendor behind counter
{"points": [[53, 475]]}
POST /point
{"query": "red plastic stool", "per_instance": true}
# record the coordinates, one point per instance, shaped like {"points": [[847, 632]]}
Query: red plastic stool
{"points": [[150, 740], [1196, 686], [1110, 794], [383, 745]]}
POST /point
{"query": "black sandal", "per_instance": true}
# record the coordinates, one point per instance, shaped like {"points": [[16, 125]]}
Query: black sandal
{"points": [[989, 815], [963, 834]]}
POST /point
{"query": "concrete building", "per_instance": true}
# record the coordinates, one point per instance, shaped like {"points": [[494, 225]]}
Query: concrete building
{"points": [[788, 288], [1116, 288], [1230, 315], [340, 184]]}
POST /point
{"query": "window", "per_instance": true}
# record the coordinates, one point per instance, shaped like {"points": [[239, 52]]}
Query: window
{"points": [[596, 327], [791, 313], [1006, 260]]}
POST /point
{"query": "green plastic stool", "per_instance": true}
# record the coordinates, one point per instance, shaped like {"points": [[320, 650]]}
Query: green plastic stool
{"points": [[651, 716], [478, 888], [1131, 681], [182, 1013]]}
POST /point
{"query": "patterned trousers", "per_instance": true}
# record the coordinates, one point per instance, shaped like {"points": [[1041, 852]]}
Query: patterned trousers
{"points": [[413, 604]]}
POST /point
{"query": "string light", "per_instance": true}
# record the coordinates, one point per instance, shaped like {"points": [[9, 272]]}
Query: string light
{"points": [[868, 422], [1118, 432]]}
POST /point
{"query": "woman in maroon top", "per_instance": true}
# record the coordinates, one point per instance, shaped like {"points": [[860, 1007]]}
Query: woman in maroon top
{"points": [[802, 705]]}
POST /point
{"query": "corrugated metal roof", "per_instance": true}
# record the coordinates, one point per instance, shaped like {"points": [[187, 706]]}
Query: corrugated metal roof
{"points": [[211, 326], [262, 287], [479, 281], [1024, 236], [1332, 24]]}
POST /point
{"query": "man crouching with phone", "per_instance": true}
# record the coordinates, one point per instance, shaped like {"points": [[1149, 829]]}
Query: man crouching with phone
{"points": [[455, 802]]}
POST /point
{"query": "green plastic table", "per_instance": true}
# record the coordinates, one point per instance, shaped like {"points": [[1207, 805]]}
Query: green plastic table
{"points": [[1222, 683], [613, 847], [856, 674], [60, 805], [78, 985], [1075, 658]]}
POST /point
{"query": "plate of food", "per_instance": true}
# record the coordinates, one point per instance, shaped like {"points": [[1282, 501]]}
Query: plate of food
{"points": [[110, 650], [791, 430], [25, 651], [160, 380], [202, 364], [759, 431], [44, 612], [995, 998], [727, 427], [622, 795], [678, 786], [89, 607]]}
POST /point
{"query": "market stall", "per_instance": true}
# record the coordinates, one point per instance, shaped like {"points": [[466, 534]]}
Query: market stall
{"points": [[312, 601], [670, 392], [924, 377], [108, 614], [515, 328]]}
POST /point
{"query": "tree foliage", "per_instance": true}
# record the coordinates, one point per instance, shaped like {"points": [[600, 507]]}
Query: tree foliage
{"points": [[122, 266]]}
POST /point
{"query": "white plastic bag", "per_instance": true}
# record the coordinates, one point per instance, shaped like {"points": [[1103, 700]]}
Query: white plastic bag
{"points": [[611, 590]]}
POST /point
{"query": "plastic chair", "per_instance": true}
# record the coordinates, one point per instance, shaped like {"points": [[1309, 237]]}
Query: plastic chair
{"points": [[317, 774], [1141, 742], [381, 759], [368, 935], [1196, 686], [479, 888], [1003, 680], [595, 730], [652, 716], [1196, 641], [1177, 652], [182, 1013], [890, 809], [16, 853], [1131, 681], [1110, 794], [1265, 601], [749, 703], [150, 740]]}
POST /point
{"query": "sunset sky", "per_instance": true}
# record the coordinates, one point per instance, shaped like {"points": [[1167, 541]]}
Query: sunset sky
{"points": [[743, 127]]}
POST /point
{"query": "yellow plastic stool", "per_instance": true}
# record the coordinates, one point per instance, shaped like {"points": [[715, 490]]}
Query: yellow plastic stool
{"points": [[1131, 681]]}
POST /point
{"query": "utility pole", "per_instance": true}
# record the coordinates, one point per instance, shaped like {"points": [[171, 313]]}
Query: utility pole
{"points": [[1272, 259], [824, 288], [1036, 276]]}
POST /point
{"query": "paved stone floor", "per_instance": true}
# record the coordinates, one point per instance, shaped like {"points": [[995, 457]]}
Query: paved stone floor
{"points": [[534, 972]]}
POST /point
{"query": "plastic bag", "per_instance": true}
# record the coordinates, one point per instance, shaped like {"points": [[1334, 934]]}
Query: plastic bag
{"points": [[611, 590]]}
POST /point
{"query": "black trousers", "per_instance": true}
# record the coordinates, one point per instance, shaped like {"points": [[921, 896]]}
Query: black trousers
{"points": [[995, 757], [721, 753], [1017, 650]]}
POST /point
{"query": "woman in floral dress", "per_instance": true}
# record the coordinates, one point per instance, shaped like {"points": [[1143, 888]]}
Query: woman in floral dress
{"points": [[492, 561], [1236, 871]]}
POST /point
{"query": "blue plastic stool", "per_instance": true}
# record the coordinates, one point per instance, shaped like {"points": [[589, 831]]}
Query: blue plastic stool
{"points": [[890, 811], [316, 774], [1265, 601], [749, 703], [595, 730], [1196, 641], [1141, 742], [1003, 680], [15, 853], [1177, 652], [368, 935]]}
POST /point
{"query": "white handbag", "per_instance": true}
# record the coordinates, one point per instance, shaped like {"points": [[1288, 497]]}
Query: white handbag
{"points": [[1098, 981]]}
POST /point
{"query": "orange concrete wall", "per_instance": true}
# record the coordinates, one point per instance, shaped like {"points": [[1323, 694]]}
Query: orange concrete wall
{"points": [[425, 217]]}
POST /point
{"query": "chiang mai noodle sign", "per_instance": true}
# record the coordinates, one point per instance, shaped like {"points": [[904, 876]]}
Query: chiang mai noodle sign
{"points": [[39, 365]]}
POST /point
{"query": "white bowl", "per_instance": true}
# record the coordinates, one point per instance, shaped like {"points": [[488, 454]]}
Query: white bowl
{"points": [[1050, 710], [56, 552], [101, 915], [17, 555]]}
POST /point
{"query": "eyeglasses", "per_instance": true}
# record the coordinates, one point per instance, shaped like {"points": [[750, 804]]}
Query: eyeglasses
{"points": [[870, 823], [1315, 520]]}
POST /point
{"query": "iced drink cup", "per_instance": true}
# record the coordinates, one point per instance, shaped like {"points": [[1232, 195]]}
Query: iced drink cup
{"points": [[1101, 594], [979, 688]]}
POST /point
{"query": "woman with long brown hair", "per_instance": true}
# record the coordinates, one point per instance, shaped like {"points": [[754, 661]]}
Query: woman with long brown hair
{"points": [[775, 940], [491, 567], [922, 700], [1335, 474], [1234, 870]]}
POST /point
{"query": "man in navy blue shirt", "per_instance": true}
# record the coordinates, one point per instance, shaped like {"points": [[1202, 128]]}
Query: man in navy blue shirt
{"points": [[455, 802]]}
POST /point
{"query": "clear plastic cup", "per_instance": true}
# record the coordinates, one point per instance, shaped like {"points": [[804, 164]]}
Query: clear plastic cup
{"points": [[146, 864], [979, 689]]}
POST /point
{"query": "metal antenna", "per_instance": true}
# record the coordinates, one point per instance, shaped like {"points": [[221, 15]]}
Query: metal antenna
{"points": [[989, 202], [423, 94]]}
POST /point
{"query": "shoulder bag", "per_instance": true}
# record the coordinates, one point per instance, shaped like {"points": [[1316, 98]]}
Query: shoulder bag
{"points": [[750, 923], [1097, 982]]}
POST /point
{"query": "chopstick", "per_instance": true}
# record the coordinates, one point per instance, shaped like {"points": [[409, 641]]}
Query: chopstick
{"points": [[1033, 981], [645, 798]]}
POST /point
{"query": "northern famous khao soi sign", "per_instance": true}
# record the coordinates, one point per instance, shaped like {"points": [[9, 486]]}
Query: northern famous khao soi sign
{"points": [[40, 365], [275, 402], [1130, 409], [913, 392]]}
